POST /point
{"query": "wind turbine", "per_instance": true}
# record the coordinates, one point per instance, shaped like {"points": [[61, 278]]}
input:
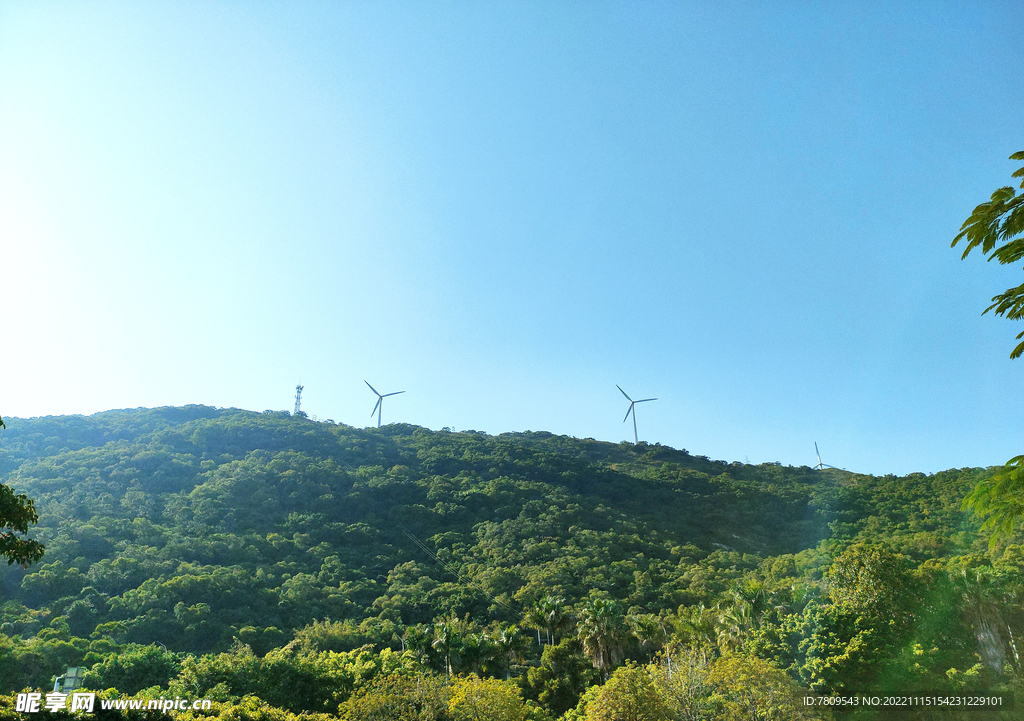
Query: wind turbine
{"points": [[379, 406], [631, 410], [821, 466]]}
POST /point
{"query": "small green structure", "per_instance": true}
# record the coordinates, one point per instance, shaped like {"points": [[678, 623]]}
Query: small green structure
{"points": [[70, 681]]}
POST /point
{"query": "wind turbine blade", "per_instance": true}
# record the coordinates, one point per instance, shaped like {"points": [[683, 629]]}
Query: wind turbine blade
{"points": [[628, 412], [646, 399], [817, 453], [392, 394], [371, 387], [375, 408], [623, 392]]}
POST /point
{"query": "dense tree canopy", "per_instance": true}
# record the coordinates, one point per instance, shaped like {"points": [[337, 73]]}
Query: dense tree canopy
{"points": [[242, 556]]}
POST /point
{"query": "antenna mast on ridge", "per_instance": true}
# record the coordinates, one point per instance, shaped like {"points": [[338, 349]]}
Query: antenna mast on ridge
{"points": [[298, 399]]}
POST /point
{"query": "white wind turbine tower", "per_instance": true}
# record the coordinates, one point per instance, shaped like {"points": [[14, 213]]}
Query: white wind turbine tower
{"points": [[632, 403], [379, 406], [822, 466]]}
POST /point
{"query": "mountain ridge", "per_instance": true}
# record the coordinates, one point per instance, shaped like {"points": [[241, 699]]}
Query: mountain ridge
{"points": [[199, 528]]}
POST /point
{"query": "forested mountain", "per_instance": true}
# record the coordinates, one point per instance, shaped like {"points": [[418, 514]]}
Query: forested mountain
{"points": [[184, 539]]}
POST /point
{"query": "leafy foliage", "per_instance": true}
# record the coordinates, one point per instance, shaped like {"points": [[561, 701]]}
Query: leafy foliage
{"points": [[629, 695], [134, 668], [284, 566], [999, 499], [561, 677], [17, 513], [994, 226], [400, 697]]}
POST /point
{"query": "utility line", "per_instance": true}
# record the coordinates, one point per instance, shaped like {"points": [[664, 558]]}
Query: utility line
{"points": [[455, 572]]}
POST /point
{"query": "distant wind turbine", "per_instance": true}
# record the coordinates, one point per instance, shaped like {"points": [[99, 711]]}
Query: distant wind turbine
{"points": [[379, 406], [632, 403], [822, 466]]}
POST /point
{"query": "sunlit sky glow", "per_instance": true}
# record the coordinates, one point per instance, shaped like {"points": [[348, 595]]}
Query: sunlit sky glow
{"points": [[744, 209]]}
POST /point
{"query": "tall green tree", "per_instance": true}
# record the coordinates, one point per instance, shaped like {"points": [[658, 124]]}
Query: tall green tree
{"points": [[476, 699], [555, 615], [17, 513], [510, 647], [682, 680], [534, 618], [753, 689], [400, 696], [603, 632], [629, 695], [865, 618], [561, 678], [651, 632], [448, 642], [997, 227]]}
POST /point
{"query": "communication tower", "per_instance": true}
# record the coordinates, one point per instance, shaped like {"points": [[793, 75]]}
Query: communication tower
{"points": [[298, 399]]}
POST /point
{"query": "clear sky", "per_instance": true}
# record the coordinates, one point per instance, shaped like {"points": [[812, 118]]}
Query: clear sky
{"points": [[744, 209]]}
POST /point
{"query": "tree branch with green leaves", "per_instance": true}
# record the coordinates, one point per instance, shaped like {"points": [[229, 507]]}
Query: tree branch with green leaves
{"points": [[999, 500], [17, 513], [994, 226]]}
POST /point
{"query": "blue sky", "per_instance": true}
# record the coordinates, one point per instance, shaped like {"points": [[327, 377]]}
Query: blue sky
{"points": [[743, 209]]}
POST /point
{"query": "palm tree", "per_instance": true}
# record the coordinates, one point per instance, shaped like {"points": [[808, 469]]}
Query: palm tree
{"points": [[555, 616], [447, 641], [734, 622], [509, 646], [602, 631], [534, 618], [982, 598], [418, 639], [650, 631], [761, 600], [699, 626], [476, 653]]}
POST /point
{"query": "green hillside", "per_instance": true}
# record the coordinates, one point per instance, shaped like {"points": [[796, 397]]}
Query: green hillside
{"points": [[200, 533]]}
